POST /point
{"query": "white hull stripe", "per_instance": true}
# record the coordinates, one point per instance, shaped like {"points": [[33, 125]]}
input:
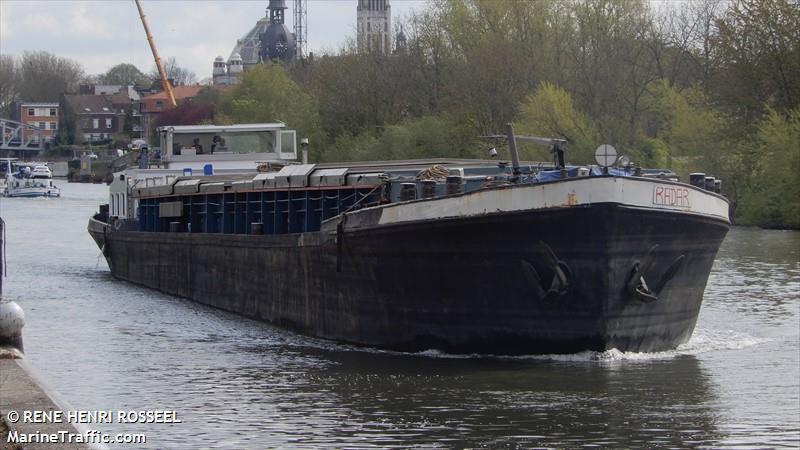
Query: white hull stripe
{"points": [[635, 192]]}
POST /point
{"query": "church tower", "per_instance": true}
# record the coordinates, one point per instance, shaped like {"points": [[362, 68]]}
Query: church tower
{"points": [[374, 26], [277, 42]]}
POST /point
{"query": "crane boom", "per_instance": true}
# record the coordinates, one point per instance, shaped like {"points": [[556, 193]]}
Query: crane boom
{"points": [[164, 82]]}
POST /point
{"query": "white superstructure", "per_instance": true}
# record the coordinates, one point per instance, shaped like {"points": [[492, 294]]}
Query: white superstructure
{"points": [[192, 150]]}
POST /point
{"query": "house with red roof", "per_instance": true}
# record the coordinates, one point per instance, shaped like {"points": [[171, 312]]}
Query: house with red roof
{"points": [[150, 106]]}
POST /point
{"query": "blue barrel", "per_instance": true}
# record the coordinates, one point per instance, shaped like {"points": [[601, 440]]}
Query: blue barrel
{"points": [[208, 169]]}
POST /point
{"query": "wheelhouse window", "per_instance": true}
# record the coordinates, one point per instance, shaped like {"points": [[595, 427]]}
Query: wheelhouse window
{"points": [[227, 143]]}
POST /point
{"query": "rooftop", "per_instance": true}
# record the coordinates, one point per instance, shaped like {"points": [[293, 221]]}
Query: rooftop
{"points": [[39, 104], [180, 92], [90, 104]]}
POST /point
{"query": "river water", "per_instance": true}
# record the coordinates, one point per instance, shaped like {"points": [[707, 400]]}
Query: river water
{"points": [[104, 344]]}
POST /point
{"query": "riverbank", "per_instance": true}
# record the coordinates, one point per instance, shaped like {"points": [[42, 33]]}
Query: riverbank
{"points": [[22, 391]]}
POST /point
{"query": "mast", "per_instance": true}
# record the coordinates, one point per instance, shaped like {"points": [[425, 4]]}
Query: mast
{"points": [[300, 28], [164, 82]]}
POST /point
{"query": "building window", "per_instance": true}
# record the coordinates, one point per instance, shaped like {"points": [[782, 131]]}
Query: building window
{"points": [[53, 125], [31, 112], [41, 125], [95, 123], [52, 112], [159, 104], [108, 123]]}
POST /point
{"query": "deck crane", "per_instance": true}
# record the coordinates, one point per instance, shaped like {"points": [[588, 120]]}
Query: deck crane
{"points": [[164, 81]]}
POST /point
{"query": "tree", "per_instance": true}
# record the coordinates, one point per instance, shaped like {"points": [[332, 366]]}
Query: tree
{"points": [[549, 112], [9, 89], [44, 77], [757, 57], [267, 94], [179, 75], [362, 91], [187, 113], [67, 127], [422, 137], [774, 197], [124, 74], [208, 95], [685, 122]]}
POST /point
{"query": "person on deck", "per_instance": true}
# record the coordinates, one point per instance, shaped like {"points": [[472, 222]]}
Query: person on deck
{"points": [[197, 146], [215, 141]]}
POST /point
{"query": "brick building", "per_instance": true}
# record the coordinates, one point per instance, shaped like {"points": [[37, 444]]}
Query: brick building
{"points": [[44, 116], [96, 118]]}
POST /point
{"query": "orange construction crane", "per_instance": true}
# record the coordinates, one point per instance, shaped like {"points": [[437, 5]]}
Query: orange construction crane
{"points": [[164, 81]]}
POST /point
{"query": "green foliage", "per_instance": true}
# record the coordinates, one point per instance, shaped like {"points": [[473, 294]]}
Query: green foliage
{"points": [[757, 57], [208, 95], [425, 137], [125, 74], [67, 125], [431, 137], [652, 153], [348, 147], [550, 112], [267, 94], [684, 121], [358, 92], [774, 198]]}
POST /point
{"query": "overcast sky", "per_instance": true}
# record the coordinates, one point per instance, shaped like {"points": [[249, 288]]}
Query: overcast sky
{"points": [[102, 33]]}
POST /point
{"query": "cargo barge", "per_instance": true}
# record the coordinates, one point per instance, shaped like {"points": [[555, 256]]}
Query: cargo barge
{"points": [[457, 255]]}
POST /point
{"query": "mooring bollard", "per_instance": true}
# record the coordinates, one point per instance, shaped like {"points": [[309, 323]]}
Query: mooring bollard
{"points": [[12, 319]]}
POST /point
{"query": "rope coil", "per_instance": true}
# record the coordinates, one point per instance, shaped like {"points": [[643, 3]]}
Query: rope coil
{"points": [[435, 172]]}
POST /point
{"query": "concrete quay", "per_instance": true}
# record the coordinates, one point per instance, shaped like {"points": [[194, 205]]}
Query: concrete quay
{"points": [[20, 391]]}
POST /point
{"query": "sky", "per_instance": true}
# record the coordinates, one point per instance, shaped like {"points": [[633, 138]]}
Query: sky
{"points": [[100, 34]]}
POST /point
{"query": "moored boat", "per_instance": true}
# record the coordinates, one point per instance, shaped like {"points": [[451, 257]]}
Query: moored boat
{"points": [[458, 255], [30, 180]]}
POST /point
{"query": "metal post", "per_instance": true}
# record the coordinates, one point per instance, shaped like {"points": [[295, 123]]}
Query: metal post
{"points": [[300, 28], [512, 146]]}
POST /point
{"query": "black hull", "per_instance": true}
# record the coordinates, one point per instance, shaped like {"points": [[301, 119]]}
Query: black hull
{"points": [[459, 285]]}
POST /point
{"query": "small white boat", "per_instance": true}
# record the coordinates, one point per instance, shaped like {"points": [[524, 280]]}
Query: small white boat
{"points": [[27, 182]]}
